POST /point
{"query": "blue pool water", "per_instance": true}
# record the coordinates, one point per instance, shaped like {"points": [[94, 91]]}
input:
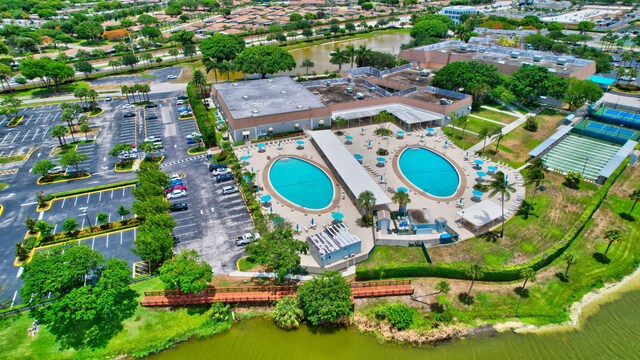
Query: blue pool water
{"points": [[429, 171], [301, 183]]}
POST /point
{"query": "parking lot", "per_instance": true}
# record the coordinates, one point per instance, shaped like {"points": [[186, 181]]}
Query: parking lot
{"points": [[106, 201], [34, 130]]}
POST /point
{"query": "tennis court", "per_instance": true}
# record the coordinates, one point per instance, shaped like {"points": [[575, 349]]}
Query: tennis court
{"points": [[617, 114], [584, 155], [604, 131], [617, 117]]}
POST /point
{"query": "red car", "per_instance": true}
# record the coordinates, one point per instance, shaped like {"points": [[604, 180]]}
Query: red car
{"points": [[175, 187]]}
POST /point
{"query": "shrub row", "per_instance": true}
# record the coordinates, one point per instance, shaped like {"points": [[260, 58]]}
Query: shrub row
{"points": [[91, 189], [494, 273], [205, 123]]}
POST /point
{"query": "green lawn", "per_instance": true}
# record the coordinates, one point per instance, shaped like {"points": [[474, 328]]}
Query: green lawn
{"points": [[148, 330], [383, 255], [494, 115], [247, 263], [3, 186], [475, 125], [10, 159], [456, 136]]}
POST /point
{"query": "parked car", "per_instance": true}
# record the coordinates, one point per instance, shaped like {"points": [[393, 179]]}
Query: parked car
{"points": [[185, 113], [129, 114], [55, 170], [194, 134], [183, 97], [229, 190], [224, 177], [127, 156], [221, 171], [180, 102], [176, 194], [176, 187], [217, 166], [152, 139], [176, 182], [151, 106], [183, 109], [107, 98], [247, 238], [179, 206], [128, 106], [171, 77], [175, 176], [151, 117]]}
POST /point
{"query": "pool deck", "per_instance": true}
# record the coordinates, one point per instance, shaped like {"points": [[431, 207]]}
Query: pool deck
{"points": [[435, 207]]}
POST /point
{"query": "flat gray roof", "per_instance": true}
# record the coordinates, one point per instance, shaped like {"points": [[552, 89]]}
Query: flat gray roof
{"points": [[266, 97], [618, 158], [408, 114], [347, 167], [620, 100]]}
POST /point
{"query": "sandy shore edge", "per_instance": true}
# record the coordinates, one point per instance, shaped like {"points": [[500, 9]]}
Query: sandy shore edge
{"points": [[593, 297]]}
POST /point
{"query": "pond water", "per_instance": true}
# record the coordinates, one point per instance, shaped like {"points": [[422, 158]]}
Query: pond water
{"points": [[610, 333]]}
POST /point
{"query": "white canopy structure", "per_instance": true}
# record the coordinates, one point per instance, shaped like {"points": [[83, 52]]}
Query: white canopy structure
{"points": [[408, 114], [481, 214], [347, 167]]}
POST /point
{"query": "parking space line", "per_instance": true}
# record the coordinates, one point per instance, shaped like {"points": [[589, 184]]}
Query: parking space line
{"points": [[36, 134], [181, 226], [111, 194], [187, 233], [82, 225], [62, 205], [100, 196], [44, 133], [25, 135], [88, 197], [121, 237], [76, 201], [93, 242], [187, 218], [14, 139], [107, 240], [54, 228]]}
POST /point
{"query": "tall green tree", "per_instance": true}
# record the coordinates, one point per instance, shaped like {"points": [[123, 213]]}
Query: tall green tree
{"points": [[531, 81], [73, 158], [186, 272], [200, 81], [534, 177], [264, 60], [467, 75], [402, 199], [60, 131], [634, 196], [325, 299], [361, 54], [580, 91], [528, 274], [307, 63], [500, 185], [279, 251], [43, 167], [570, 259], [153, 244], [339, 57], [483, 134], [366, 200]]}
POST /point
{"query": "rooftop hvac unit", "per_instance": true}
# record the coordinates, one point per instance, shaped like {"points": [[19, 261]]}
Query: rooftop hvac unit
{"points": [[425, 72], [359, 96], [482, 49], [514, 55], [561, 61], [537, 58], [349, 90], [463, 47], [444, 101]]}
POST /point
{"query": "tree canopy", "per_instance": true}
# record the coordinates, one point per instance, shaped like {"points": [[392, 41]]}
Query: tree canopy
{"points": [[186, 272], [221, 47], [580, 91], [531, 81], [466, 75], [325, 299], [429, 28], [279, 251], [264, 59]]}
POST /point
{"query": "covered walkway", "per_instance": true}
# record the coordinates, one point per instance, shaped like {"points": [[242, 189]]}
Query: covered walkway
{"points": [[346, 167], [409, 115]]}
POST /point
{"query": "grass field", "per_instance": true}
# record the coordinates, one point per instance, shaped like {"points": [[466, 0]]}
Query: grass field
{"points": [[515, 146], [10, 159], [494, 115], [389, 255]]}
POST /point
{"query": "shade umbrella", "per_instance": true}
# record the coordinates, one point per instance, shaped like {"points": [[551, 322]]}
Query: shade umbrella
{"points": [[300, 142], [348, 137], [245, 158], [265, 198], [260, 146], [369, 144], [422, 137], [358, 156], [297, 227], [431, 130], [466, 155], [400, 132], [481, 174], [381, 160], [402, 189], [477, 193], [337, 216], [478, 162], [313, 221], [492, 168]]}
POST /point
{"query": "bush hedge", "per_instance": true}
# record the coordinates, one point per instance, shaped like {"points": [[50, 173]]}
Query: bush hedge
{"points": [[206, 125], [494, 273]]}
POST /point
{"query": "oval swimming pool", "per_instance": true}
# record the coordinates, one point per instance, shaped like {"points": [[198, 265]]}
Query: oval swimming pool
{"points": [[301, 183], [429, 172]]}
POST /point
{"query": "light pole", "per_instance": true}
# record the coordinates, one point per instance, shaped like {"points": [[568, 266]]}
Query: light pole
{"points": [[84, 212], [584, 167]]}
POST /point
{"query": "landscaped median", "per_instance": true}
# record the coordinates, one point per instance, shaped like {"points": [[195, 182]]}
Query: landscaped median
{"points": [[15, 121], [197, 150], [47, 200], [458, 270], [44, 180]]}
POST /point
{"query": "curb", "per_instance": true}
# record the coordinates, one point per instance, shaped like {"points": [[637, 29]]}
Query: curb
{"points": [[63, 180], [17, 123]]}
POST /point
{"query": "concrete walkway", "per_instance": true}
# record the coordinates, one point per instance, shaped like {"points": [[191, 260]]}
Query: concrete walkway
{"points": [[505, 130], [512, 112], [489, 120], [351, 270]]}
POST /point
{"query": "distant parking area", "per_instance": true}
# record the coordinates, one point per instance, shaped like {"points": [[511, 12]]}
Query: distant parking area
{"points": [[120, 80], [161, 74], [34, 130], [231, 210]]}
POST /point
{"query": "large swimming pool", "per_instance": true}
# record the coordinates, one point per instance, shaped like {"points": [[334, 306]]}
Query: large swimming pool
{"points": [[429, 171], [301, 183]]}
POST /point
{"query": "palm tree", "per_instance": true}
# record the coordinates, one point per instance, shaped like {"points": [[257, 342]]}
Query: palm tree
{"points": [[482, 135], [635, 196], [535, 177], [225, 68], [148, 148], [366, 200], [474, 272], [200, 81], [59, 131], [361, 54], [85, 128], [402, 199], [350, 50], [338, 57], [340, 122], [307, 63], [145, 89], [249, 176], [67, 116], [570, 259], [453, 116], [613, 235], [443, 287], [529, 275], [626, 57], [498, 135], [212, 65], [287, 314], [125, 90], [500, 185], [462, 121]]}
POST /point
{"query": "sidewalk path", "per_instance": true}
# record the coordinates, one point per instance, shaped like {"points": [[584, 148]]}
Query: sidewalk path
{"points": [[350, 271], [505, 130]]}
